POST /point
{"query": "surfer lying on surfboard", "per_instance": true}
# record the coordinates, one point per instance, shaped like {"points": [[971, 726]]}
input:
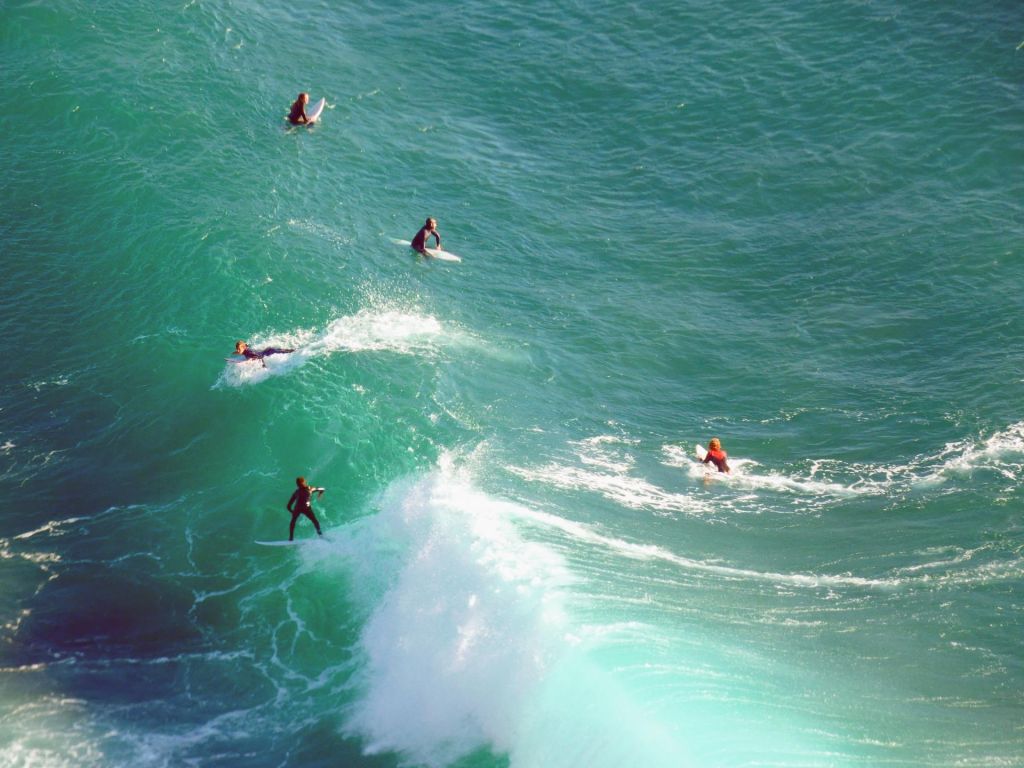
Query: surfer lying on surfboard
{"points": [[419, 243], [298, 114], [241, 348], [301, 503], [716, 455]]}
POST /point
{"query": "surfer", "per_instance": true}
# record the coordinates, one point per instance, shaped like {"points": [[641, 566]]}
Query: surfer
{"points": [[242, 348], [301, 503], [298, 114], [716, 455], [419, 243]]}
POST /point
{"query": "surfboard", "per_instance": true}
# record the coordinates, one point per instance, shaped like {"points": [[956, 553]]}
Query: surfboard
{"points": [[283, 543], [314, 114], [440, 255], [434, 253], [236, 360], [701, 453]]}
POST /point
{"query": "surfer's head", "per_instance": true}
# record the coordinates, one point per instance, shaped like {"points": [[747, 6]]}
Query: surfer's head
{"points": [[240, 347], [431, 223], [304, 98], [715, 444], [300, 481]]}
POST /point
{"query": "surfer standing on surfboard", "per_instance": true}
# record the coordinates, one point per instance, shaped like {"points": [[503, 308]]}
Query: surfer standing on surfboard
{"points": [[301, 503], [298, 114], [241, 348], [716, 455], [419, 243]]}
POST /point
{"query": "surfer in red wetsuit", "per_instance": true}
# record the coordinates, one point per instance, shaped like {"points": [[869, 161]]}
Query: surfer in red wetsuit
{"points": [[716, 455], [419, 243], [241, 348], [298, 114], [301, 503]]}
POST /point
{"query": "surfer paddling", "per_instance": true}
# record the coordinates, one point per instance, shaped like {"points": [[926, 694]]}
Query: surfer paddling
{"points": [[716, 455], [301, 503], [242, 348], [298, 115], [419, 243]]}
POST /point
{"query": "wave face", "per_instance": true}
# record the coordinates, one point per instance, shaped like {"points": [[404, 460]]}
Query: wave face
{"points": [[790, 227]]}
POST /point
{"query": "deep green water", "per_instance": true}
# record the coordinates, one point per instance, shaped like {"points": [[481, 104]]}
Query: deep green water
{"points": [[794, 226]]}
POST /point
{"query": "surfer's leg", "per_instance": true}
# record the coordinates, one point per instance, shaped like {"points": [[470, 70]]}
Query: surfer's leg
{"points": [[291, 528], [309, 513]]}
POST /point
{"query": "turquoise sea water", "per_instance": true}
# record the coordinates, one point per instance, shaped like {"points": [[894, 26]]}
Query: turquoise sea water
{"points": [[794, 226]]}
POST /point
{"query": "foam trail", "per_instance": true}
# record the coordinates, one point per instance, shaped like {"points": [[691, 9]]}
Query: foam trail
{"points": [[469, 644], [368, 330], [743, 475]]}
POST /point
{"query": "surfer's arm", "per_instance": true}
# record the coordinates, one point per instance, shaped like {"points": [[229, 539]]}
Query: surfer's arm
{"points": [[291, 501]]}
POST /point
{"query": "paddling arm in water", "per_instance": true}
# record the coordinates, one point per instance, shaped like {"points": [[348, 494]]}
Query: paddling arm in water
{"points": [[716, 455], [301, 503], [419, 242], [242, 348], [297, 116]]}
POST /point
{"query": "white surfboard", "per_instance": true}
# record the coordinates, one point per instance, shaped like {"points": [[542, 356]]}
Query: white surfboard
{"points": [[440, 255], [434, 253], [700, 453], [314, 114], [283, 543]]}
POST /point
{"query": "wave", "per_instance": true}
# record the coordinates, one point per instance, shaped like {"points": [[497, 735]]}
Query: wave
{"points": [[478, 635], [469, 644]]}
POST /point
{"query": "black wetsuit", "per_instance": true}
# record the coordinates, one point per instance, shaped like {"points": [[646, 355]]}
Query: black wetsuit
{"points": [[298, 111], [301, 503], [250, 355], [419, 243]]}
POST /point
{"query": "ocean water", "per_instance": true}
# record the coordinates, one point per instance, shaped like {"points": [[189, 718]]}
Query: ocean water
{"points": [[794, 226]]}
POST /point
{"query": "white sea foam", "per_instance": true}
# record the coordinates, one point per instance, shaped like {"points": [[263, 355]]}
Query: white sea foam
{"points": [[1002, 452], [468, 642], [602, 452], [631, 492]]}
